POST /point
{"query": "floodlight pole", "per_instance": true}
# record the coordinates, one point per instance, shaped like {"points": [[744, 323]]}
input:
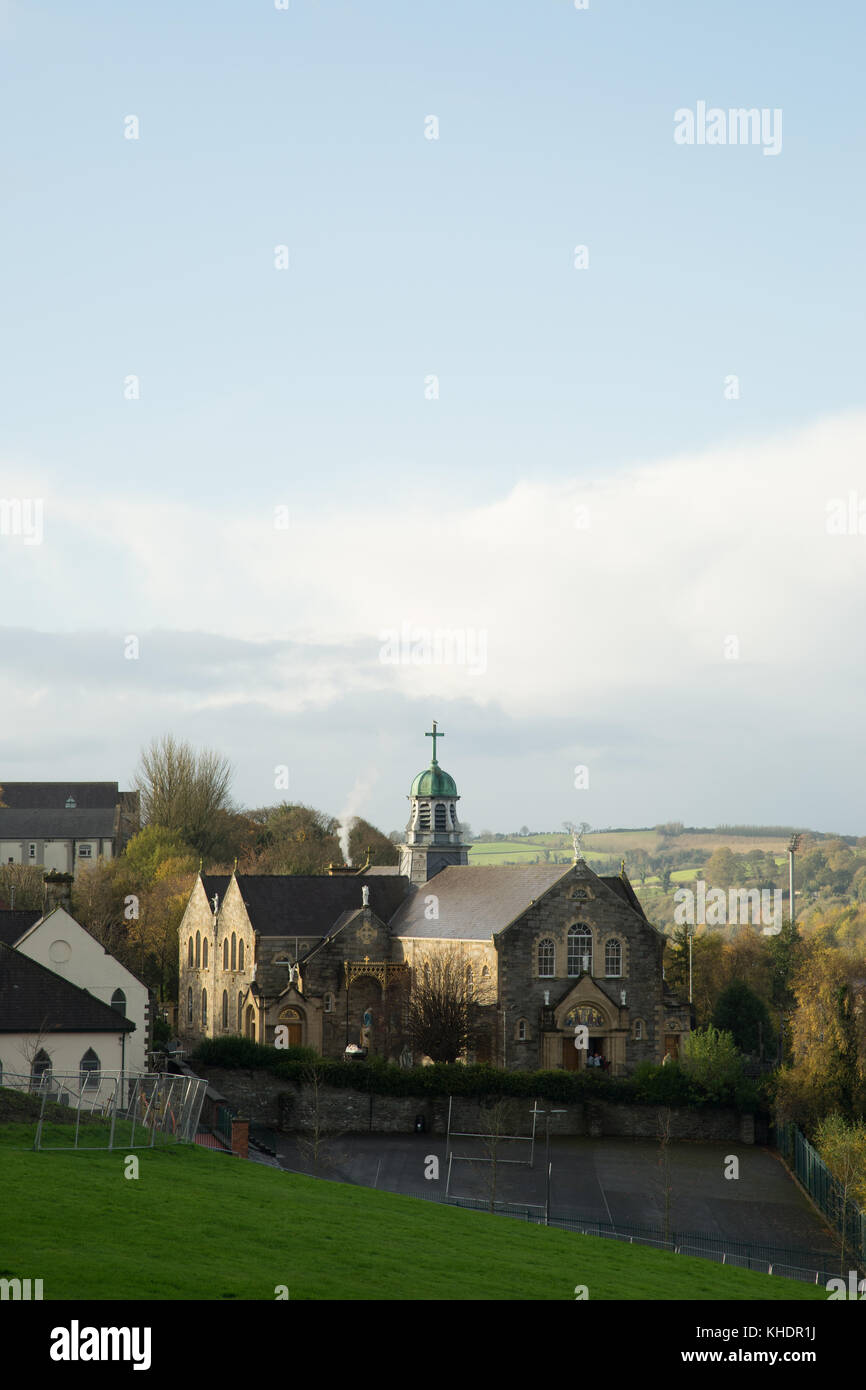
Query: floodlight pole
{"points": [[792, 849]]}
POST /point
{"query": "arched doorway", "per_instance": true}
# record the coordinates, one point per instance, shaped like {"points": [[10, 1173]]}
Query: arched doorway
{"points": [[292, 1019], [251, 1023], [575, 1059]]}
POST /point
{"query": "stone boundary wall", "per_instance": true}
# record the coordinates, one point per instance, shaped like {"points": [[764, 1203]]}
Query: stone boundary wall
{"points": [[267, 1100]]}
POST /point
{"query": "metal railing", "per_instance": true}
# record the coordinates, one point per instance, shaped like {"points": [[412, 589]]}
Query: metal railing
{"points": [[804, 1265], [825, 1191], [108, 1110]]}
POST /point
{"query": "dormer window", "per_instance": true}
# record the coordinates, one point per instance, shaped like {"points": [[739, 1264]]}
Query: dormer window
{"points": [[71, 803]]}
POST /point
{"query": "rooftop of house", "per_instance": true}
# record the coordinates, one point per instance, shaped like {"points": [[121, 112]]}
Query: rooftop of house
{"points": [[35, 1000]]}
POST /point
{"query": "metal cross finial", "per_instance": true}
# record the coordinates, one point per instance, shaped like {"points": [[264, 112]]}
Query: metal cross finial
{"points": [[434, 735]]}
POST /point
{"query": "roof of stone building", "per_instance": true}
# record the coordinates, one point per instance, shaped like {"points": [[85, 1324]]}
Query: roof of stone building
{"points": [[14, 922], [308, 904], [33, 1000], [624, 890], [57, 824], [383, 869], [46, 796], [474, 903]]}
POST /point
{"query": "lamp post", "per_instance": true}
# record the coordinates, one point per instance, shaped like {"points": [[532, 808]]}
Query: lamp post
{"points": [[792, 849]]}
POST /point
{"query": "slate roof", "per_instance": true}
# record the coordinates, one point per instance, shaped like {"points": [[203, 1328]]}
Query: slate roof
{"points": [[57, 824], [475, 902], [624, 890], [33, 999], [308, 904], [46, 796], [14, 922]]}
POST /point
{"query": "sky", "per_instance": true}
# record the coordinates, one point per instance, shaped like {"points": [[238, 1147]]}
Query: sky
{"points": [[362, 365]]}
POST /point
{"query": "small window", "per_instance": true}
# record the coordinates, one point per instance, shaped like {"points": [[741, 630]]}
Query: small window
{"points": [[40, 1072], [638, 1030], [240, 1013], [88, 1073], [240, 955], [329, 1003], [189, 1005], [118, 1002], [522, 1030], [190, 957], [32, 851], [85, 851], [234, 951], [226, 954], [204, 954], [613, 958], [225, 1008], [204, 1008], [546, 959]]}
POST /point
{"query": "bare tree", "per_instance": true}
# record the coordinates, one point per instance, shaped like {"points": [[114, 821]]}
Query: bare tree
{"points": [[315, 1141], [185, 791], [446, 1006], [493, 1125]]}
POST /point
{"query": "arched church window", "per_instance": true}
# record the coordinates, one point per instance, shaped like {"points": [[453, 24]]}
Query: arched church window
{"points": [[197, 949], [226, 954], [240, 1012], [191, 949], [329, 1003], [613, 958], [204, 954], [440, 821], [225, 1008], [40, 1071], [189, 1005], [204, 1008], [579, 949], [118, 1002], [234, 951], [546, 959], [424, 816], [470, 979], [240, 955], [522, 1030]]}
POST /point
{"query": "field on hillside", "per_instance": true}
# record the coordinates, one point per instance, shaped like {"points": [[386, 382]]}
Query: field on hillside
{"points": [[201, 1225], [694, 848]]}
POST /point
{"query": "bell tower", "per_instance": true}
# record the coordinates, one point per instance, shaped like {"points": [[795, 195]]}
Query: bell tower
{"points": [[434, 839]]}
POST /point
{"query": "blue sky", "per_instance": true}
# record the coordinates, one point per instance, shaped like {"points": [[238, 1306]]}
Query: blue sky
{"points": [[305, 388]]}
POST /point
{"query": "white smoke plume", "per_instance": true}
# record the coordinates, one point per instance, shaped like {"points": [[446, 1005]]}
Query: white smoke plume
{"points": [[353, 804]]}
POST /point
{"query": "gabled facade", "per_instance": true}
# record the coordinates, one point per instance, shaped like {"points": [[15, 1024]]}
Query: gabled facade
{"points": [[63, 946]]}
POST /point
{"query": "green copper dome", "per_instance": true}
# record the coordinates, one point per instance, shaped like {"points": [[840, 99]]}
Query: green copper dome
{"points": [[434, 782]]}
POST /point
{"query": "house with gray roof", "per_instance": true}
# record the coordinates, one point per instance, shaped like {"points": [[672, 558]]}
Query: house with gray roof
{"points": [[62, 825]]}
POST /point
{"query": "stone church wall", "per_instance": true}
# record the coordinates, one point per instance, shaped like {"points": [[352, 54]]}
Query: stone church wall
{"points": [[270, 1101]]}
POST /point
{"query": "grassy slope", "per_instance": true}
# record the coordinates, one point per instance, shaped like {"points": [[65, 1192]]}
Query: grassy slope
{"points": [[199, 1225]]}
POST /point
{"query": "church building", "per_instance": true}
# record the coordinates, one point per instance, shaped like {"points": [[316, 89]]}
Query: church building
{"points": [[333, 957]]}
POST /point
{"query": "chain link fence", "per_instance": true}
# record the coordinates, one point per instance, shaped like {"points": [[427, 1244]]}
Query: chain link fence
{"points": [[109, 1110]]}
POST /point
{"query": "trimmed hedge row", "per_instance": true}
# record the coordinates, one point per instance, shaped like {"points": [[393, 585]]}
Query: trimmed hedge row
{"points": [[647, 1084]]}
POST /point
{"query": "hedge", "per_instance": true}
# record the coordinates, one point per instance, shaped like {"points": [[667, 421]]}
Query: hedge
{"points": [[648, 1084]]}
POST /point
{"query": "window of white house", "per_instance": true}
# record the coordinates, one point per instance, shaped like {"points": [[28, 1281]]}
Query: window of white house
{"points": [[546, 959], [88, 1072], [85, 851], [613, 958], [579, 949], [32, 851], [118, 1001]]}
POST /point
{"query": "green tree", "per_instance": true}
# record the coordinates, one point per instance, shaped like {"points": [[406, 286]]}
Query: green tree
{"points": [[711, 1059], [742, 1013], [722, 869]]}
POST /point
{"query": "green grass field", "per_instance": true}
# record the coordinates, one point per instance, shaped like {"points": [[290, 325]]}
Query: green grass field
{"points": [[201, 1225]]}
